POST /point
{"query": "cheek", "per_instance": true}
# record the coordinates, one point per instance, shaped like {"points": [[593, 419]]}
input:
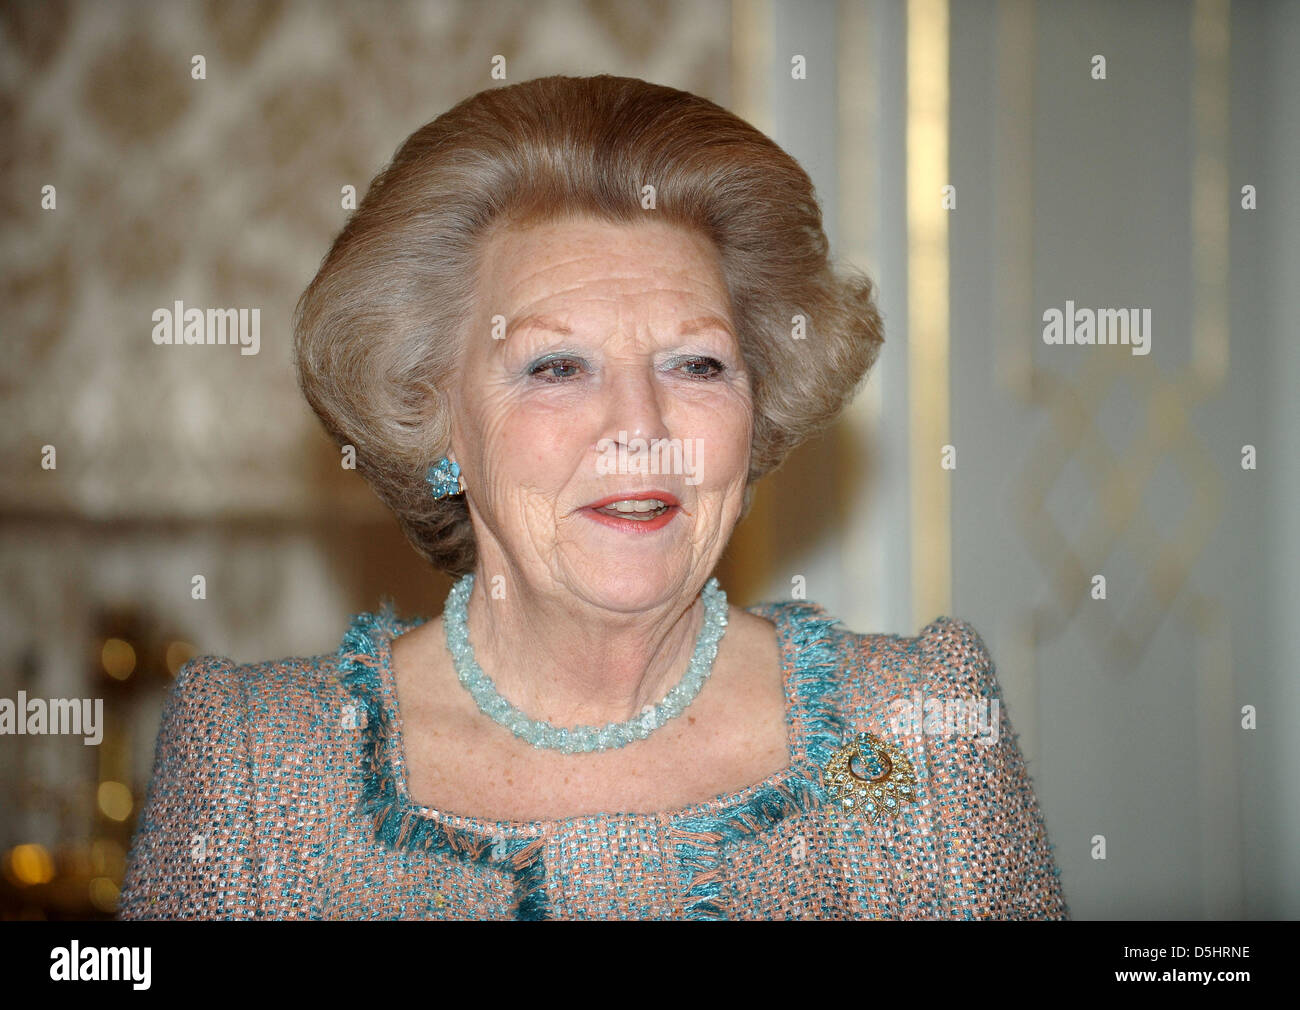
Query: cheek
{"points": [[725, 443], [535, 448]]}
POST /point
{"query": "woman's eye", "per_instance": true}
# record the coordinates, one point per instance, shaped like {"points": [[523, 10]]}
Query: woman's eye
{"points": [[561, 369], [555, 370], [704, 368]]}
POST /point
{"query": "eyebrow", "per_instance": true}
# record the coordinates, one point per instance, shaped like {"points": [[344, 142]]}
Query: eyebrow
{"points": [[536, 322], [689, 328], [694, 326]]}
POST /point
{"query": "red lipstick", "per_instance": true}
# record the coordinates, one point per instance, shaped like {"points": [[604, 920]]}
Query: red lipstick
{"points": [[673, 506]]}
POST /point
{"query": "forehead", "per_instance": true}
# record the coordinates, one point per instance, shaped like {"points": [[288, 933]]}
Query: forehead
{"points": [[599, 266]]}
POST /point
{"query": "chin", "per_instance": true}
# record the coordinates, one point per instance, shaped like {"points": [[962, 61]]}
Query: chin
{"points": [[618, 586]]}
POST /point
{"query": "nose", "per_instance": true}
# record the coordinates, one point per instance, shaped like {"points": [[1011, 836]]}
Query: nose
{"points": [[634, 405]]}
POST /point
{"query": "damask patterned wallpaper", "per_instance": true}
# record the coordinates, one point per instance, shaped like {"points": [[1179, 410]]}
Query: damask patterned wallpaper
{"points": [[225, 191]]}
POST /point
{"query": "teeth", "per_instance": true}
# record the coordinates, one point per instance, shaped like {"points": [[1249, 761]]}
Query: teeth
{"points": [[634, 505]]}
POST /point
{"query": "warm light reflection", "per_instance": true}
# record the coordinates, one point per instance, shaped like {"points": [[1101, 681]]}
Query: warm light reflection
{"points": [[103, 894], [108, 858], [115, 800], [118, 658], [178, 654], [928, 172], [30, 864]]}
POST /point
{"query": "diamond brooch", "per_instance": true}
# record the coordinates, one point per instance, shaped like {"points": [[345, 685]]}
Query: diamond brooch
{"points": [[867, 776]]}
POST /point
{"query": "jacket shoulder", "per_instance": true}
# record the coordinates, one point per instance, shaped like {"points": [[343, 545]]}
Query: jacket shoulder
{"points": [[242, 749], [291, 714], [875, 670], [294, 684], [953, 654], [295, 688]]}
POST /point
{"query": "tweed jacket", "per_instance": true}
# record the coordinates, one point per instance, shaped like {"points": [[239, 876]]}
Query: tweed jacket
{"points": [[279, 791]]}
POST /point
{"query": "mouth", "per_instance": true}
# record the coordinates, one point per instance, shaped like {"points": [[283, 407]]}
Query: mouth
{"points": [[645, 510]]}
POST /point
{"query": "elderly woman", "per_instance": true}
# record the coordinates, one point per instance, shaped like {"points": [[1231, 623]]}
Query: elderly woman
{"points": [[569, 327]]}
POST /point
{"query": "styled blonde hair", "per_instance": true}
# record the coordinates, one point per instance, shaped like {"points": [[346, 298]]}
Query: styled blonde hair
{"points": [[379, 331]]}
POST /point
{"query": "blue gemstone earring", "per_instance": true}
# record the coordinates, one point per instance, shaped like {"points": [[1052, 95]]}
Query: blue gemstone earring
{"points": [[444, 478]]}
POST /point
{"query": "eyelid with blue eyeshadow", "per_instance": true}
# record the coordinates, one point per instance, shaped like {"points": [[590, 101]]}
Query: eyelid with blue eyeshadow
{"points": [[671, 364]]}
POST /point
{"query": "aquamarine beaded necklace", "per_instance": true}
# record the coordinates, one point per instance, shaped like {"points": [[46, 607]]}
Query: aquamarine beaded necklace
{"points": [[581, 739]]}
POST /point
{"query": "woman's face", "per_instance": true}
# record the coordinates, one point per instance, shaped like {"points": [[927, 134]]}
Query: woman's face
{"points": [[601, 365]]}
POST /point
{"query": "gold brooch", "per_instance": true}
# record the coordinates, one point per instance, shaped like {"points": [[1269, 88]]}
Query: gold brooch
{"points": [[870, 777]]}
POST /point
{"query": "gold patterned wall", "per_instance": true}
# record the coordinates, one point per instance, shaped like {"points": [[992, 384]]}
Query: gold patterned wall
{"points": [[226, 191]]}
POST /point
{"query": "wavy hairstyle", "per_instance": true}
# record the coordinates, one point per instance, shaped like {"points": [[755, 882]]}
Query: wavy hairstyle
{"points": [[378, 332]]}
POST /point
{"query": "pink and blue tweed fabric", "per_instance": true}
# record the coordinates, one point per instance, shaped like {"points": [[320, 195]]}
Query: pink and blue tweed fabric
{"points": [[279, 792]]}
